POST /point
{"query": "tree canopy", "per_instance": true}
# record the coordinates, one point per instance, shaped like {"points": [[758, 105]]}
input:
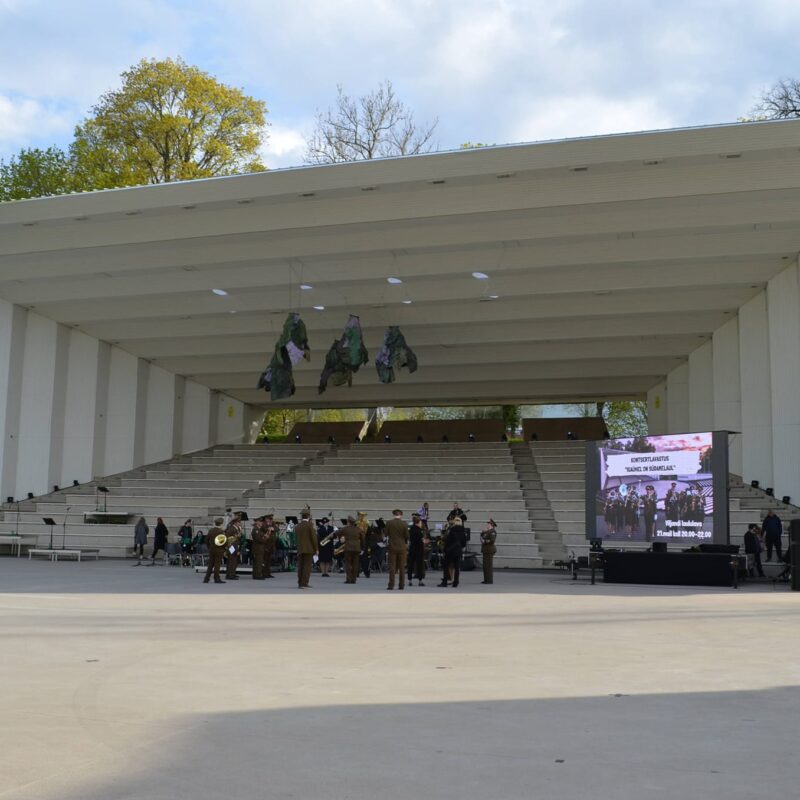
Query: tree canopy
{"points": [[375, 125], [168, 121]]}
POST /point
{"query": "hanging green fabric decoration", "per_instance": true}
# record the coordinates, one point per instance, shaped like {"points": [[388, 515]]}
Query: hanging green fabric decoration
{"points": [[291, 347], [346, 355], [395, 353]]}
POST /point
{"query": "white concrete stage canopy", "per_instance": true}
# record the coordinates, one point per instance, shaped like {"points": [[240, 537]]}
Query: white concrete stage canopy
{"points": [[609, 259]]}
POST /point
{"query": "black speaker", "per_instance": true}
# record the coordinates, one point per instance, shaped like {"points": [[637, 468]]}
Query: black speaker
{"points": [[794, 553], [659, 547]]}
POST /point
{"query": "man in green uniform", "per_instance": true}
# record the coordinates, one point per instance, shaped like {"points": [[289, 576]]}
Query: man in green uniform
{"points": [[234, 534], [397, 533], [488, 549], [307, 548], [258, 535], [214, 552], [270, 540], [354, 542]]}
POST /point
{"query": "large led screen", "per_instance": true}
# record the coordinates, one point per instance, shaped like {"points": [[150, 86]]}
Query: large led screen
{"points": [[670, 488]]}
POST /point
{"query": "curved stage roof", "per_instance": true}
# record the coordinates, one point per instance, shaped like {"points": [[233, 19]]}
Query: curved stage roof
{"points": [[608, 259]]}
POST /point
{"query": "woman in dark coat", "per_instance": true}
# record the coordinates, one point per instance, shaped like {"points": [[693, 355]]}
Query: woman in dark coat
{"points": [[416, 550], [160, 539], [454, 543], [324, 530]]}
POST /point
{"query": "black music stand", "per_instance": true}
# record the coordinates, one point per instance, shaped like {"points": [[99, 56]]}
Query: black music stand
{"points": [[50, 522], [98, 491]]}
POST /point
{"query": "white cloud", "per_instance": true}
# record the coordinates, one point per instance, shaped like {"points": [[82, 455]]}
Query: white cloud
{"points": [[24, 121], [284, 148]]}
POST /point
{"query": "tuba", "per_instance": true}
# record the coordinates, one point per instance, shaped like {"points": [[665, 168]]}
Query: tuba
{"points": [[220, 539]]}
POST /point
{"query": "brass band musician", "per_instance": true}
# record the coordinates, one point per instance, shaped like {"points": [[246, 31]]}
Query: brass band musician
{"points": [[488, 550]]}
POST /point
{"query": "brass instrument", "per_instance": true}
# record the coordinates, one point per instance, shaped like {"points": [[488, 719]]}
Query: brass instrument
{"points": [[220, 539], [339, 550], [329, 538]]}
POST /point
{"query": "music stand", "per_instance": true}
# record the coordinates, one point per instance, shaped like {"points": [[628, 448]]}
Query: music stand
{"points": [[98, 491], [50, 522]]}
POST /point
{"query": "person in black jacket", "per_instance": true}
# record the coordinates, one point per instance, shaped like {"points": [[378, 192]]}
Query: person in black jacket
{"points": [[454, 543], [416, 550], [773, 529], [160, 540], [753, 547]]}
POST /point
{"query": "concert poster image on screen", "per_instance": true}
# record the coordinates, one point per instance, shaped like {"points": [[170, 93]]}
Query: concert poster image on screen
{"points": [[656, 489]]}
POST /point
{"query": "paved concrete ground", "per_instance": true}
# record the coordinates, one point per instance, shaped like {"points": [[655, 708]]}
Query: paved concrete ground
{"points": [[144, 683]]}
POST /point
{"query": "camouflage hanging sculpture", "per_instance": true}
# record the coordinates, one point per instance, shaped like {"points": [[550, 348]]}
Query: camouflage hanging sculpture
{"points": [[395, 353], [277, 378], [346, 355]]}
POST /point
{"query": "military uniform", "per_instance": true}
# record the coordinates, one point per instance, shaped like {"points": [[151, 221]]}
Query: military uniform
{"points": [[397, 533], [270, 541], [353, 544], [234, 534], [259, 537], [306, 548], [488, 550], [214, 556]]}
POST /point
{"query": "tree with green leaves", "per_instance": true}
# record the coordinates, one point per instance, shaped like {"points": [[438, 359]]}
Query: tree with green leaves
{"points": [[376, 125], [36, 173], [169, 121]]}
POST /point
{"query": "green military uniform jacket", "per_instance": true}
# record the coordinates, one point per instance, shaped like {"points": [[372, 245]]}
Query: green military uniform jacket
{"points": [[397, 533], [353, 538], [211, 534], [488, 539], [306, 537]]}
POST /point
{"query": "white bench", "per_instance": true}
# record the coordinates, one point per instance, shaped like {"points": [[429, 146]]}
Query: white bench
{"points": [[53, 555]]}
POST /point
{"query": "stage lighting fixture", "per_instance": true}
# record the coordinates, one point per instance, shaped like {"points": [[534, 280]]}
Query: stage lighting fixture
{"points": [[471, 437], [56, 488], [30, 495], [298, 439], [387, 439], [331, 440], [570, 436], [754, 484], [786, 500], [534, 437], [76, 483], [504, 438], [419, 439], [445, 439], [770, 491], [9, 499]]}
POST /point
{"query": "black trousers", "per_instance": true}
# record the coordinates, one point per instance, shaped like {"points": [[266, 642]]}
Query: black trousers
{"points": [[773, 540], [757, 562], [416, 564], [452, 560]]}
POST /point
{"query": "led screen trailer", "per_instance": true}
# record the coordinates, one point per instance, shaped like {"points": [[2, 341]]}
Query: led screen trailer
{"points": [[671, 488]]}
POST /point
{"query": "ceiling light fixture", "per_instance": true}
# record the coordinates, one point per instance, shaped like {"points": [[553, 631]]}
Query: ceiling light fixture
{"points": [[368, 188], [438, 182], [394, 281], [219, 292], [494, 296], [306, 287], [579, 169], [132, 213], [503, 176], [407, 302], [481, 276], [189, 208], [319, 308], [307, 194], [244, 202]]}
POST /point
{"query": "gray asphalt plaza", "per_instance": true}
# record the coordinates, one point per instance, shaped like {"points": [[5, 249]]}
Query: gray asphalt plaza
{"points": [[145, 683]]}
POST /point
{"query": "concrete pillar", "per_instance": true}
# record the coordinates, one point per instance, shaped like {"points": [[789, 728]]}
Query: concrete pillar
{"points": [[755, 382], [177, 413], [783, 313], [678, 399], [101, 390], [6, 349], [159, 416], [121, 416], [196, 417], [58, 416], [727, 389], [701, 388], [657, 409]]}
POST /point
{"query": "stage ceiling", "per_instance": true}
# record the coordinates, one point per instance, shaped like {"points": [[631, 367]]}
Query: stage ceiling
{"points": [[609, 259]]}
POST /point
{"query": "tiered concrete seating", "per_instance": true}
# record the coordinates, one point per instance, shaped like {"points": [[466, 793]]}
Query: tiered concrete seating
{"points": [[197, 486], [375, 478]]}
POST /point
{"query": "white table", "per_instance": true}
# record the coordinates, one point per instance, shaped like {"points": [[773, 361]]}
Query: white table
{"points": [[17, 541], [53, 555]]}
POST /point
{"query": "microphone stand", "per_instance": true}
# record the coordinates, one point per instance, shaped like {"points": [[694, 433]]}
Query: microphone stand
{"points": [[64, 529]]}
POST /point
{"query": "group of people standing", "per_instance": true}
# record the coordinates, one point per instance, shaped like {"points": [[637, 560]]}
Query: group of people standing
{"points": [[625, 507]]}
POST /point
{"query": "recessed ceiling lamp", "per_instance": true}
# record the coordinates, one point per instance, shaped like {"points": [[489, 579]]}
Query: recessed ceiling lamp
{"points": [[394, 281], [481, 276], [306, 287], [220, 292], [407, 302], [494, 296], [319, 308]]}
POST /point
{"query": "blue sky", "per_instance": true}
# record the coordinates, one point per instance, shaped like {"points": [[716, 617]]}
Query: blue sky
{"points": [[494, 71]]}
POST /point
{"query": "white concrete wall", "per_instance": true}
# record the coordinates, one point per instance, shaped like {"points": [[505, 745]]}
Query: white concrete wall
{"points": [[657, 409], [80, 409], [701, 388], [74, 408], [678, 399], [36, 407], [160, 414], [756, 388], [727, 389], [196, 411], [783, 304]]}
